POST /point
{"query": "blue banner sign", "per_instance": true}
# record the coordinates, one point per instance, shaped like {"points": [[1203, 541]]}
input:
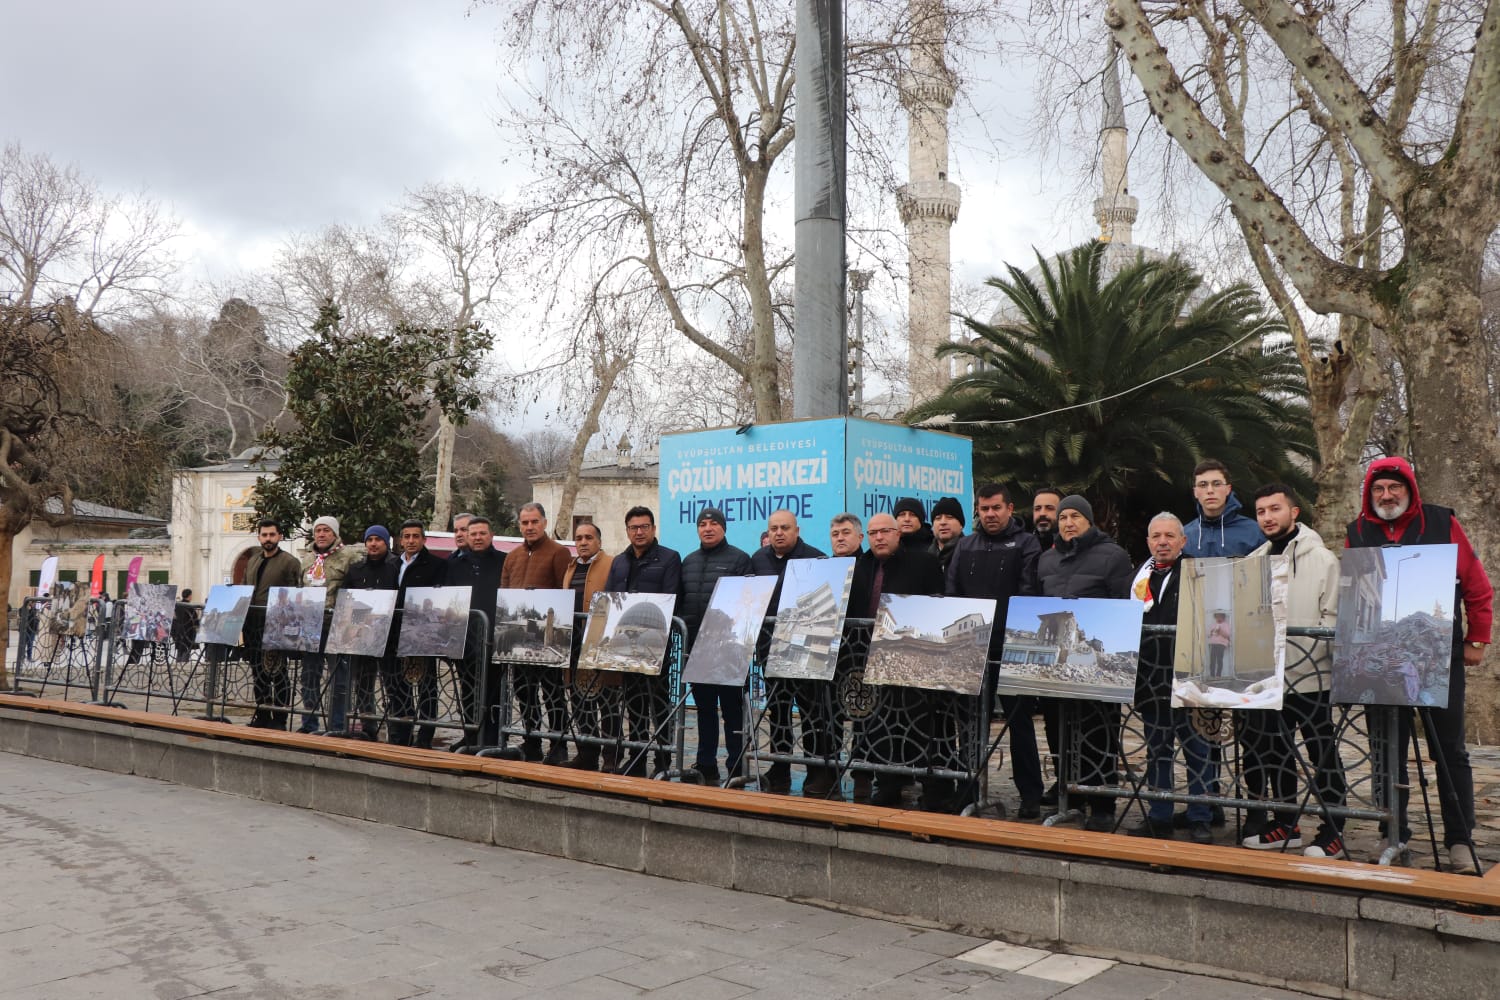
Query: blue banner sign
{"points": [[813, 468]]}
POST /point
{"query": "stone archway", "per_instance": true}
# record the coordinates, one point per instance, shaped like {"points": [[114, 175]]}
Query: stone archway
{"points": [[237, 568]]}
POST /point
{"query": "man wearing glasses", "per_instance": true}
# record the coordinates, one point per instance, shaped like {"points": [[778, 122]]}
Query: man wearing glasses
{"points": [[1219, 529], [646, 567]]}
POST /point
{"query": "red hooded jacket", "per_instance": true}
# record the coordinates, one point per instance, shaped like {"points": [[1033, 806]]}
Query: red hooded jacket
{"points": [[1473, 583]]}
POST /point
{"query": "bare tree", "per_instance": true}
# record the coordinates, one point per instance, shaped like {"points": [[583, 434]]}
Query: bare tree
{"points": [[467, 236], [61, 237]]}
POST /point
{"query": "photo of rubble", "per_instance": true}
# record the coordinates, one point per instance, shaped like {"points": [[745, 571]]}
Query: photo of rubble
{"points": [[149, 608], [725, 644], [1079, 647], [434, 622], [810, 620], [294, 619], [361, 623], [1231, 633], [936, 643], [64, 616], [1393, 643], [627, 632], [534, 626], [224, 615]]}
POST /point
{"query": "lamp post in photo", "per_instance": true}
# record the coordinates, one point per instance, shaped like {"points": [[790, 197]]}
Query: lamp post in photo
{"points": [[1396, 611]]}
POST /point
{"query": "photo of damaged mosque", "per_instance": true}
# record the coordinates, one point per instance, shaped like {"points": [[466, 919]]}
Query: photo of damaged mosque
{"points": [[534, 626], [936, 643], [627, 632], [1084, 647]]}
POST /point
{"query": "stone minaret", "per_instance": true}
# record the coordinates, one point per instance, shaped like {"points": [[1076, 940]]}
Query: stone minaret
{"points": [[929, 201], [1115, 208]]}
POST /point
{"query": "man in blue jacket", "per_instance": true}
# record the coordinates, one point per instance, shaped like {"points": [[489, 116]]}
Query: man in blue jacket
{"points": [[646, 567], [1219, 529]]}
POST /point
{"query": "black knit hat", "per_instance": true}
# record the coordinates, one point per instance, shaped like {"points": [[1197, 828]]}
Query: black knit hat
{"points": [[949, 506], [1078, 503], [911, 505], [711, 514]]}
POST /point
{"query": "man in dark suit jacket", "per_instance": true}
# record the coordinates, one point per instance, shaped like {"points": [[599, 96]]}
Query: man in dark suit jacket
{"points": [[479, 567], [418, 567]]}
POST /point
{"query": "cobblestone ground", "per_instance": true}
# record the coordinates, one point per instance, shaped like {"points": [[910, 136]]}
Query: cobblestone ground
{"points": [[118, 886]]}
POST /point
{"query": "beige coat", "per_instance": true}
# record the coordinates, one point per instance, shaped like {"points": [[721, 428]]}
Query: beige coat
{"points": [[1312, 601]]}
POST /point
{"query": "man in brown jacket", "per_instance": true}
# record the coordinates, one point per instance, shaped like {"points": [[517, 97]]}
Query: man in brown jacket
{"points": [[539, 564], [270, 566], [596, 705]]}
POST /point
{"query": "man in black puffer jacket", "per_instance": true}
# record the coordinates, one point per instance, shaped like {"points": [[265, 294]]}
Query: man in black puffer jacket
{"points": [[701, 570], [1085, 562], [813, 697]]}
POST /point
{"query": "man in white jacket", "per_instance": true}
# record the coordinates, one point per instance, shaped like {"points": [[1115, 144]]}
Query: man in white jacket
{"points": [[1311, 601]]}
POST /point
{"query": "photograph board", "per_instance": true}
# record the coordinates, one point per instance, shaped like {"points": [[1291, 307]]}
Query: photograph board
{"points": [[1071, 647], [1231, 633], [1393, 642], [294, 619], [534, 626], [726, 638], [810, 619], [627, 632], [935, 643], [434, 622], [362, 621], [149, 608], [224, 614]]}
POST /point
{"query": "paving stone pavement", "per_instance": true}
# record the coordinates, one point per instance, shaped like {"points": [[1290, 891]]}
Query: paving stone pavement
{"points": [[122, 887]]}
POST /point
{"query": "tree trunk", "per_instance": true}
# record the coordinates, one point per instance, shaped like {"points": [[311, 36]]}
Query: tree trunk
{"points": [[765, 387], [442, 489], [1453, 440], [7, 542]]}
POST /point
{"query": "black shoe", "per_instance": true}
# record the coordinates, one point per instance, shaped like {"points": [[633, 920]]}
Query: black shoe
{"points": [[557, 754], [1200, 833], [1029, 810], [821, 783], [1156, 829], [634, 768], [1049, 797], [778, 779], [531, 747], [864, 786], [1100, 823], [1216, 816], [888, 794], [700, 775], [587, 760]]}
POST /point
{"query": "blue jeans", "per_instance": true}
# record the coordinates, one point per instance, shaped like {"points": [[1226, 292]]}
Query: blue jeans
{"points": [[1166, 726]]}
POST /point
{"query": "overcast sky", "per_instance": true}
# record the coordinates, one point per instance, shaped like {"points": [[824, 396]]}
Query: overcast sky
{"points": [[252, 122]]}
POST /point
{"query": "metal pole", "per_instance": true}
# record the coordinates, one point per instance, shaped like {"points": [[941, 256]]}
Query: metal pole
{"points": [[819, 352], [859, 281]]}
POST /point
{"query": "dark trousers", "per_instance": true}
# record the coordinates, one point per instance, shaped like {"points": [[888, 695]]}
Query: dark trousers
{"points": [[714, 701], [1099, 751], [814, 702], [648, 706], [269, 680], [535, 685], [1448, 755], [411, 693], [1271, 755], [1025, 757]]}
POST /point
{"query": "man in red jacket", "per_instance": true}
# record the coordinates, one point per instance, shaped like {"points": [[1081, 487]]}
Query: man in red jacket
{"points": [[1392, 513]]}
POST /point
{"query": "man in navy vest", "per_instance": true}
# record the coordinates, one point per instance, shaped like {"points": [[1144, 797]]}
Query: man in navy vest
{"points": [[1392, 513]]}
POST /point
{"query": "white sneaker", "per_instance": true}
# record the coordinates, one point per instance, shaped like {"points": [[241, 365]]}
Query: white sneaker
{"points": [[1458, 859]]}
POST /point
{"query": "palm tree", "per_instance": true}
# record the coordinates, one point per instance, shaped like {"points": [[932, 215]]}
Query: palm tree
{"points": [[1116, 389]]}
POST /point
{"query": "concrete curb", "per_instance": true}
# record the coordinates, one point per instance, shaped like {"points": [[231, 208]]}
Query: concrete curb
{"points": [[1338, 944]]}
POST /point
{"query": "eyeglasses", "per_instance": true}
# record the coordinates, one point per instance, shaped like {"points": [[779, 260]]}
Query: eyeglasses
{"points": [[883, 531], [1217, 484], [638, 527]]}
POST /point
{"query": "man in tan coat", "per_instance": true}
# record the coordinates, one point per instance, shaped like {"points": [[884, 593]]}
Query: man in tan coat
{"points": [[596, 706], [539, 564], [323, 565]]}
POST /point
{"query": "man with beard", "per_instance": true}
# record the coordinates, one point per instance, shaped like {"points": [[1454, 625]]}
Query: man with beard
{"points": [[378, 570], [1085, 562], [1157, 587], [888, 567], [539, 564], [1044, 515], [701, 570], [418, 567], [814, 699], [478, 567], [323, 565], [1312, 600], [1392, 513], [999, 561], [270, 566]]}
